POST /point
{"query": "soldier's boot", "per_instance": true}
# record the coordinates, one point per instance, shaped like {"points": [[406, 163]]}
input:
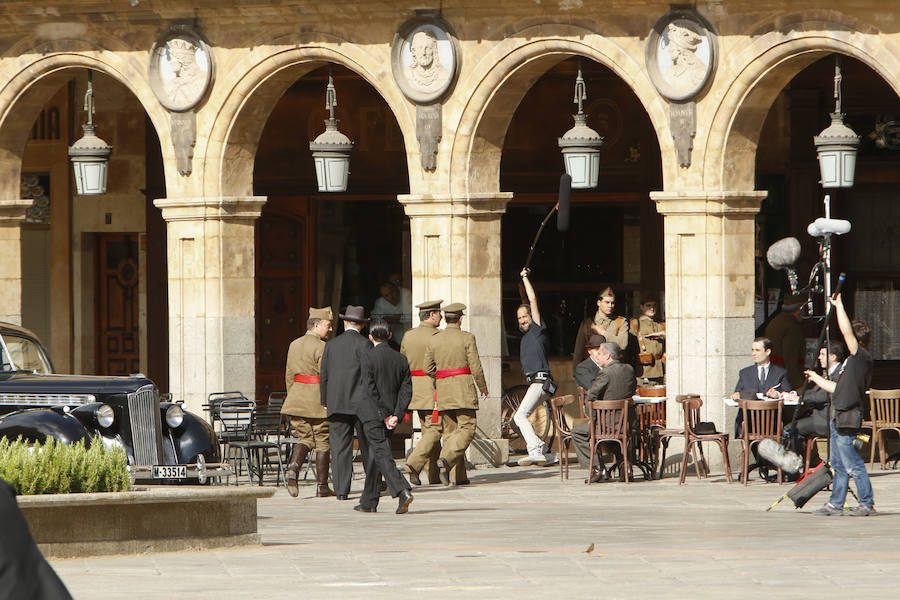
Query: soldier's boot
{"points": [[323, 461], [293, 468], [434, 473]]}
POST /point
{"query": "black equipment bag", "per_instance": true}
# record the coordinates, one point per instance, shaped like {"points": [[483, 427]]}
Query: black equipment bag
{"points": [[813, 481]]}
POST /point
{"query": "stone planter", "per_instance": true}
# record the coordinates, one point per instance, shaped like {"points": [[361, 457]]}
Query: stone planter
{"points": [[156, 519]]}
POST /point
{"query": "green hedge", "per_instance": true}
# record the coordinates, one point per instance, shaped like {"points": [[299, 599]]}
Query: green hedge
{"points": [[57, 468]]}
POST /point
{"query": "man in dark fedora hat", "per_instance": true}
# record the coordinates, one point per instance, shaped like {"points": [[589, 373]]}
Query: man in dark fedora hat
{"points": [[588, 369], [342, 392]]}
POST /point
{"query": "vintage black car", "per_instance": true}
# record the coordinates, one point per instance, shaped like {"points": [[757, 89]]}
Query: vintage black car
{"points": [[163, 443]]}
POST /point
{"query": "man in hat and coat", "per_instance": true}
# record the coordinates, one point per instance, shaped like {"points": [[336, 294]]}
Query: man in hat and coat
{"points": [[452, 359], [342, 392], [389, 390], [588, 369], [413, 347], [303, 401]]}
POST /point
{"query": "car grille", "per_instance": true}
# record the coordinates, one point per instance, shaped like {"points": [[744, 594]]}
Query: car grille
{"points": [[146, 425]]}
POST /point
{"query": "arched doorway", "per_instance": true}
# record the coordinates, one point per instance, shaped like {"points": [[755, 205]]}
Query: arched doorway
{"points": [[325, 249], [787, 168], [93, 267], [615, 235]]}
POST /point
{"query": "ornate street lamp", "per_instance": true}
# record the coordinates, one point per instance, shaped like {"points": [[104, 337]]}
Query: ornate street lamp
{"points": [[90, 154], [331, 150], [837, 144], [581, 144]]}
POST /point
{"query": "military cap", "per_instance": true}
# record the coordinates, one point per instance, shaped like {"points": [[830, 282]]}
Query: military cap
{"points": [[595, 341], [430, 305], [321, 313], [607, 291], [455, 308]]}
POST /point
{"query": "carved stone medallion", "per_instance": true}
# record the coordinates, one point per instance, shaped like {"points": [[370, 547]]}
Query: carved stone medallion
{"points": [[681, 55], [181, 68], [424, 57]]}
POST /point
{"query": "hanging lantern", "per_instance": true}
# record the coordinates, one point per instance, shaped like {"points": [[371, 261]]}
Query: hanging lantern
{"points": [[581, 145], [90, 154], [837, 144], [331, 150]]}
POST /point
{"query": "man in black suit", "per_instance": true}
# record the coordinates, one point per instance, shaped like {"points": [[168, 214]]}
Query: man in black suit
{"points": [[343, 391], [762, 377], [389, 391], [614, 382], [588, 369]]}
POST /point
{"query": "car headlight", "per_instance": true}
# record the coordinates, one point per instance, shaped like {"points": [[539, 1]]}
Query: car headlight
{"points": [[174, 416], [105, 416]]}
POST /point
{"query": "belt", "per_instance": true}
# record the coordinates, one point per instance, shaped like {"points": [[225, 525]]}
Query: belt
{"points": [[444, 373], [418, 373], [301, 378]]}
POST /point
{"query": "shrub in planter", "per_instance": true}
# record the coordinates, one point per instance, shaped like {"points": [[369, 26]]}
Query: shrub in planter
{"points": [[56, 468]]}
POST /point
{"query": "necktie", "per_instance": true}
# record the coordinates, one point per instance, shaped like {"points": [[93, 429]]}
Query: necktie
{"points": [[762, 374]]}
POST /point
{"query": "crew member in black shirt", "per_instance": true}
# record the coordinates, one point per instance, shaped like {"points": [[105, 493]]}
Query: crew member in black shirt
{"points": [[533, 354], [847, 397]]}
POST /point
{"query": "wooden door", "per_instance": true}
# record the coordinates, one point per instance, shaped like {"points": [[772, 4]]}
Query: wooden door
{"points": [[117, 332], [285, 283]]}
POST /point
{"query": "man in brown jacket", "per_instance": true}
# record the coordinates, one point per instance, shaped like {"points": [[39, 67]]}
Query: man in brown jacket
{"points": [[303, 402], [614, 329], [452, 359], [413, 347]]}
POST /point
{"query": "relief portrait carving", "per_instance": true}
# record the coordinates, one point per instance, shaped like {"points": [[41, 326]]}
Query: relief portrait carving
{"points": [[681, 55], [180, 69], [426, 73], [687, 71]]}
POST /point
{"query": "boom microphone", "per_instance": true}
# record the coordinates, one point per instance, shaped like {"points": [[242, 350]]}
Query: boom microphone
{"points": [[775, 453], [565, 199], [822, 227], [783, 254]]}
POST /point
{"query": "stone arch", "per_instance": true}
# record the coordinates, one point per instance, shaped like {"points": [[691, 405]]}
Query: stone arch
{"points": [[770, 64], [504, 76], [28, 89], [244, 107]]}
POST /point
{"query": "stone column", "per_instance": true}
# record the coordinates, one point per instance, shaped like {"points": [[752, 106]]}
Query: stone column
{"points": [[211, 268], [709, 274], [12, 213], [455, 255]]}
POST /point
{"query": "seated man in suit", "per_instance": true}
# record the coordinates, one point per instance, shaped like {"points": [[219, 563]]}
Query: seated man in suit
{"points": [[388, 390], [614, 382], [588, 369], [762, 377]]}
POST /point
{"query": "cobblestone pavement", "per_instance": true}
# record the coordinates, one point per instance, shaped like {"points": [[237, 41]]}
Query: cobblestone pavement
{"points": [[522, 533]]}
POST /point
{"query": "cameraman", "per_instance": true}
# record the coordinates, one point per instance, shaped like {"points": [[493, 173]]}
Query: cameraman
{"points": [[847, 397], [533, 354]]}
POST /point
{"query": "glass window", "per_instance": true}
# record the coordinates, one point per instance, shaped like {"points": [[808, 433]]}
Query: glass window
{"points": [[25, 355]]}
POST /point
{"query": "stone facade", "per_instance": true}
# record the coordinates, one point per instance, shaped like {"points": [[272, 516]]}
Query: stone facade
{"points": [[261, 48]]}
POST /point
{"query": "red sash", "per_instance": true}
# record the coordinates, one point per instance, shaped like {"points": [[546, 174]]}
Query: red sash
{"points": [[418, 373], [301, 378], [444, 373]]}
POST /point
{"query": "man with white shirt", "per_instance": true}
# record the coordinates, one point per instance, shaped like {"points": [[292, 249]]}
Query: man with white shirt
{"points": [[762, 377]]}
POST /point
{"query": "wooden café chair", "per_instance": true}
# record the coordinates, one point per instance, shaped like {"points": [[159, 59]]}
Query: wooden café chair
{"points": [[609, 423], [762, 419], [885, 412], [691, 404], [563, 431]]}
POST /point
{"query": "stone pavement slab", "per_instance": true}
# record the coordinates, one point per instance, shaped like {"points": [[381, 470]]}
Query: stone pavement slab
{"points": [[522, 533]]}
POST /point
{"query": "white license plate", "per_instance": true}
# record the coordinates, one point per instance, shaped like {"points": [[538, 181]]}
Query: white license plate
{"points": [[166, 472]]}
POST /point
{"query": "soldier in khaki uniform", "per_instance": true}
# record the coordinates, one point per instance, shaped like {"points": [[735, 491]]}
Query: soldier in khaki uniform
{"points": [[614, 329], [452, 359], [415, 342], [651, 337], [303, 402]]}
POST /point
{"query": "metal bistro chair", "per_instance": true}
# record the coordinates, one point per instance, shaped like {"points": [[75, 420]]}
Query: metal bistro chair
{"points": [[266, 433], [563, 431], [885, 411], [609, 423], [762, 419], [232, 419], [690, 405]]}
